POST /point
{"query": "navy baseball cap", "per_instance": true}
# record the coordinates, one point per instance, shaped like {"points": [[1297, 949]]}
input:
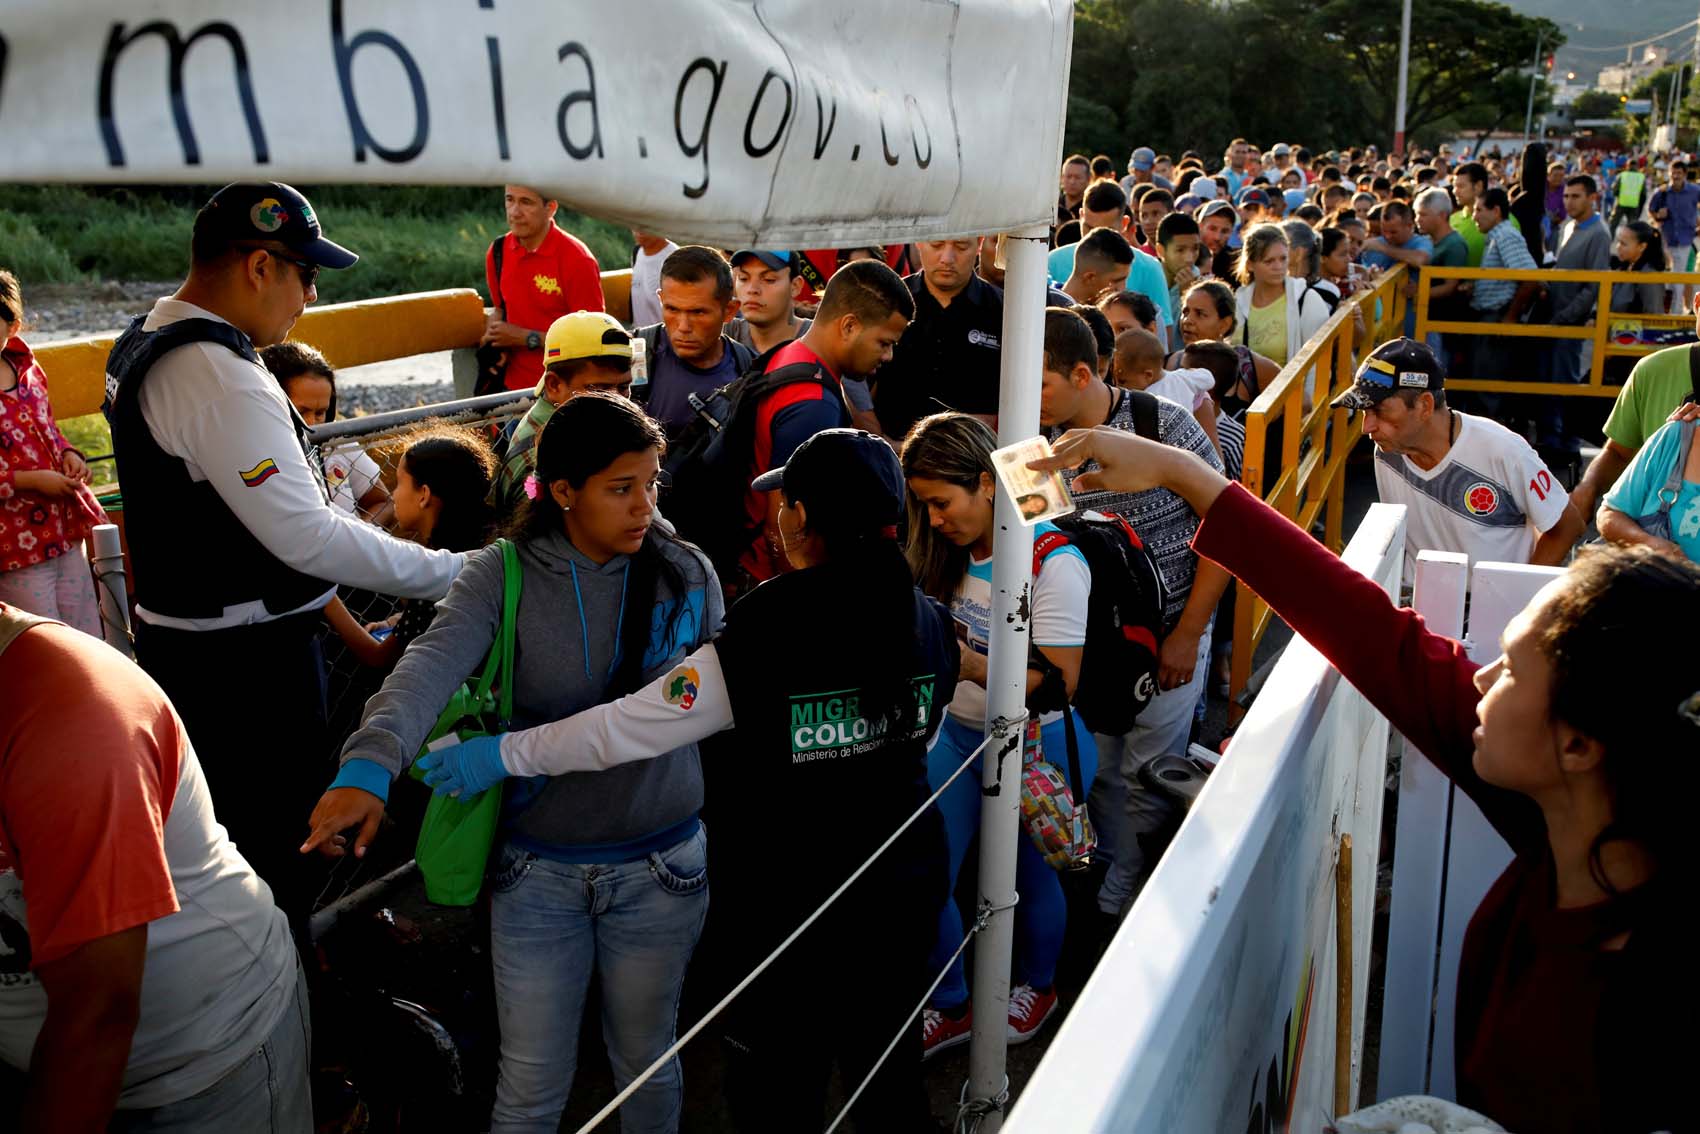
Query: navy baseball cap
{"points": [[271, 212], [1254, 197], [848, 478], [775, 260], [1402, 364]]}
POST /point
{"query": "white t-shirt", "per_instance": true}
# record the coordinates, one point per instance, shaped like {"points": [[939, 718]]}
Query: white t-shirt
{"points": [[350, 475], [1187, 387], [646, 281], [229, 421], [1490, 497], [1060, 592]]}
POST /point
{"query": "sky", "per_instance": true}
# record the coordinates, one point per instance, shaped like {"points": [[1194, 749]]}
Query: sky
{"points": [[1629, 20]]}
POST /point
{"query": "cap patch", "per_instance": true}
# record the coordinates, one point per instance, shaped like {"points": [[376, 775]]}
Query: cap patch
{"points": [[1413, 378], [268, 215]]}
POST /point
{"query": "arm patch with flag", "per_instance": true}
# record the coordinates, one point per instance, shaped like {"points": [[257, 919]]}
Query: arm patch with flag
{"points": [[259, 474]]}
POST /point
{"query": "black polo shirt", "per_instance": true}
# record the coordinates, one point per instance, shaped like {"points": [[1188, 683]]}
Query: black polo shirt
{"points": [[947, 358]]}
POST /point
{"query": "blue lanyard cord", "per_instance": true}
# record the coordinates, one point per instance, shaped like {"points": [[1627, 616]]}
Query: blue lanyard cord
{"points": [[584, 625]]}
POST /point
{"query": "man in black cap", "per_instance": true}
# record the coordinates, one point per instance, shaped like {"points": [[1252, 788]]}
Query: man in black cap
{"points": [[234, 546], [1469, 484]]}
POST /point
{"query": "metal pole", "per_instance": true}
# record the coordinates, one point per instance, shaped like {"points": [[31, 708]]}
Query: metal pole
{"points": [[110, 588], [1006, 682], [1534, 76], [1404, 78]]}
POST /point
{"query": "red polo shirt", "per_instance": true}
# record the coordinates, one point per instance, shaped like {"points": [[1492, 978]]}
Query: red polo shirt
{"points": [[539, 287]]}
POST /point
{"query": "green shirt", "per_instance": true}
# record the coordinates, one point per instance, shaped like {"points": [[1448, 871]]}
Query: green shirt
{"points": [[1655, 387], [1474, 242], [508, 493]]}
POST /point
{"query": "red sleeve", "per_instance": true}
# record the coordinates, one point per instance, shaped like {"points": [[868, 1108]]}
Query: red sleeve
{"points": [[490, 282], [583, 277], [85, 792], [1422, 682]]}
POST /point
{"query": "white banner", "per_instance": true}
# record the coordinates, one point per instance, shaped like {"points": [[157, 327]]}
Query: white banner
{"points": [[790, 123], [1215, 1006]]}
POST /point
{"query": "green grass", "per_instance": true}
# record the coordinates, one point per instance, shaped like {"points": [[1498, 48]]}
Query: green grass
{"points": [[90, 436], [410, 238]]}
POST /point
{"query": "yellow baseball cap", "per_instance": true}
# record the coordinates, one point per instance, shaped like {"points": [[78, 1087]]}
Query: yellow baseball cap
{"points": [[585, 334]]}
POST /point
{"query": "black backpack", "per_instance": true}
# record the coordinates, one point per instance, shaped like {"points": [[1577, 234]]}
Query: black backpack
{"points": [[1124, 622], [710, 463]]}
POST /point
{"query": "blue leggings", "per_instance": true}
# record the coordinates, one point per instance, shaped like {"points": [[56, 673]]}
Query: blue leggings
{"points": [[1041, 914]]}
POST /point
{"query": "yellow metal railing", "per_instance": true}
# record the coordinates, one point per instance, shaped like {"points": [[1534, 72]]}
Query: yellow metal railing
{"points": [[349, 334], [1600, 332], [1309, 468]]}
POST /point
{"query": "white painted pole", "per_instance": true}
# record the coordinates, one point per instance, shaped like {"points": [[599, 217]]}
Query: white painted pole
{"points": [[108, 563], [1404, 78], [1006, 682]]}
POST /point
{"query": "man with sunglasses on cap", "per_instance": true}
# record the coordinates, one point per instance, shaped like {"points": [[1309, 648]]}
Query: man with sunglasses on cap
{"points": [[1468, 483], [234, 546]]}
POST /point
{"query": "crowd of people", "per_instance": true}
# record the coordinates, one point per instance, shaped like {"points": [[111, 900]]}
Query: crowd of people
{"points": [[779, 441]]}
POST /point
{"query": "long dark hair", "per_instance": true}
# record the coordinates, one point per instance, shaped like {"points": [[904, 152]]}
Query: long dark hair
{"points": [[1610, 688], [956, 449], [583, 437], [458, 467]]}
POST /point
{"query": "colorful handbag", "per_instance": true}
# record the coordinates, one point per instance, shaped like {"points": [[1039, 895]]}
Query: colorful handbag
{"points": [[456, 835], [1053, 815]]}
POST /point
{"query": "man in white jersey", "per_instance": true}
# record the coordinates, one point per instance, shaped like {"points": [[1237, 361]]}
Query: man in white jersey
{"points": [[1469, 483]]}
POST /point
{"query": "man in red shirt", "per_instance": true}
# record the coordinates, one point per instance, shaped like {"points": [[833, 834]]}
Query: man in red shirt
{"points": [[545, 273], [862, 315]]}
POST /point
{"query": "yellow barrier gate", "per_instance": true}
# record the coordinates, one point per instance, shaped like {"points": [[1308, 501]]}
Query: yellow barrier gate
{"points": [[1309, 482], [1600, 332]]}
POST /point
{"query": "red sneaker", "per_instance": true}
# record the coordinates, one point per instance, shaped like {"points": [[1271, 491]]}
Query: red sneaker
{"points": [[1028, 1010], [939, 1031]]}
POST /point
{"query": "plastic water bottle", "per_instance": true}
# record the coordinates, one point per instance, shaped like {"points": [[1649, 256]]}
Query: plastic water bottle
{"points": [[640, 369]]}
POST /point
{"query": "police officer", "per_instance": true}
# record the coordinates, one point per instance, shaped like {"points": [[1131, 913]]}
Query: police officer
{"points": [[831, 679], [234, 546]]}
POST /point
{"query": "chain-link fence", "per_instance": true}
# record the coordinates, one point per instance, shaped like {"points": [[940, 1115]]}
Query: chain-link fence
{"points": [[359, 458]]}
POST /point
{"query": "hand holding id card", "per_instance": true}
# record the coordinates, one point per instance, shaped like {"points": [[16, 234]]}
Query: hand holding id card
{"points": [[1037, 495]]}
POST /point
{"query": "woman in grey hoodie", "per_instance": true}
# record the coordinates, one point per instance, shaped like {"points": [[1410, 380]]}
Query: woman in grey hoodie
{"points": [[600, 873]]}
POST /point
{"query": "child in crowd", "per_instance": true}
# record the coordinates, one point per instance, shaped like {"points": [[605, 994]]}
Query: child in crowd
{"points": [[46, 508], [441, 499], [1138, 365], [356, 486]]}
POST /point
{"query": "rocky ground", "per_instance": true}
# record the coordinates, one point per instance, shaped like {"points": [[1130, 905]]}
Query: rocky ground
{"points": [[62, 311]]}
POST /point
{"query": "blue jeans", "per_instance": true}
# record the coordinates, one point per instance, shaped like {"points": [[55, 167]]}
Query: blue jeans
{"points": [[552, 924], [1042, 913], [266, 1093]]}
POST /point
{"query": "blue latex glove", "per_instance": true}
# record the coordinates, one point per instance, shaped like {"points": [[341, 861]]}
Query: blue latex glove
{"points": [[464, 769]]}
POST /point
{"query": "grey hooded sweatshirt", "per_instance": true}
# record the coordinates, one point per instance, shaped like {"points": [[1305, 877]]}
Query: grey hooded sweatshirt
{"points": [[568, 631]]}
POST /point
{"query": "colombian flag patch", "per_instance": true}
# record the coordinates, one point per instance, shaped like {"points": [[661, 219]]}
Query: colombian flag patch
{"points": [[259, 474]]}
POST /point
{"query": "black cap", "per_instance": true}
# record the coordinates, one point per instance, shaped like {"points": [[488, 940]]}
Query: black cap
{"points": [[1402, 364], [272, 212], [848, 478]]}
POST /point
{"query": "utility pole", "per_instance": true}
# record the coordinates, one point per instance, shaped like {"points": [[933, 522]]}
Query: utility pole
{"points": [[1534, 77], [1404, 78]]}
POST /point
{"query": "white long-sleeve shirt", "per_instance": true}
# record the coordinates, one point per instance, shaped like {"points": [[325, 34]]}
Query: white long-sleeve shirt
{"points": [[226, 417], [686, 704]]}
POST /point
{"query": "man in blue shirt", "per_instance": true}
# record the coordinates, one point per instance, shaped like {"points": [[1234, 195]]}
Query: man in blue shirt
{"points": [[1675, 207], [689, 350], [1400, 243]]}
